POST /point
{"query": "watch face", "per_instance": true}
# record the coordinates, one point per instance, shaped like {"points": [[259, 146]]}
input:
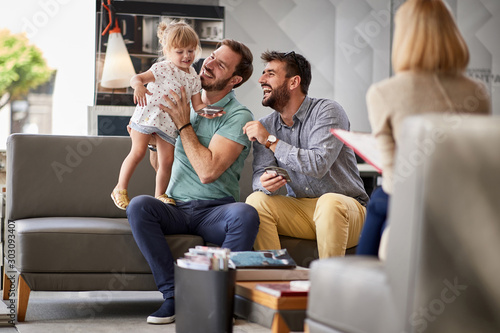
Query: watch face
{"points": [[270, 140]]}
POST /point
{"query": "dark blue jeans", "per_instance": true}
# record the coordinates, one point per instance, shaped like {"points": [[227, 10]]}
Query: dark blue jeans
{"points": [[375, 222], [224, 222]]}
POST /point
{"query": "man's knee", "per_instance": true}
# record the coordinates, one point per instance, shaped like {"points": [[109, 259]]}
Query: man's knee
{"points": [[331, 199], [247, 215], [257, 199], [332, 202], [137, 207], [138, 202]]}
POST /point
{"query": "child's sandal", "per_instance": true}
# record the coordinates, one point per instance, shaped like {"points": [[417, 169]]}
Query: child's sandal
{"points": [[120, 198], [165, 199]]}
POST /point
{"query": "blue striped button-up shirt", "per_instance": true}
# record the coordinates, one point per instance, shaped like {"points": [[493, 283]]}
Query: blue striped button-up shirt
{"points": [[316, 160]]}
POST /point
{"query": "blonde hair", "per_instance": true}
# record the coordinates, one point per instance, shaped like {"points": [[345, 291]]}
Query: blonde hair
{"points": [[178, 34], [427, 38]]}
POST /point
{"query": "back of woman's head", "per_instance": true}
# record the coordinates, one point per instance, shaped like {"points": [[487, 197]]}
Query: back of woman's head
{"points": [[427, 38], [178, 34]]}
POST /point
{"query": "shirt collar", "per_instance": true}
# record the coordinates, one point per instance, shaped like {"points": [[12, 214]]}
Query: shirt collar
{"points": [[301, 113], [225, 100]]}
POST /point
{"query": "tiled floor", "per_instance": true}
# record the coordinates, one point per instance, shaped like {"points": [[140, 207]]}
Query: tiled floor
{"points": [[100, 312]]}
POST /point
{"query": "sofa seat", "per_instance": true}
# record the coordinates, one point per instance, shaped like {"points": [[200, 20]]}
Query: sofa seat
{"points": [[90, 245]]}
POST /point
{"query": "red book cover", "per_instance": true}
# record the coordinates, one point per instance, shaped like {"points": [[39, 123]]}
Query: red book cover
{"points": [[280, 289]]}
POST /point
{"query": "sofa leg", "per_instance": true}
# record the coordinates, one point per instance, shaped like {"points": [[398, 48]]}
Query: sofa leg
{"points": [[7, 284], [23, 295]]}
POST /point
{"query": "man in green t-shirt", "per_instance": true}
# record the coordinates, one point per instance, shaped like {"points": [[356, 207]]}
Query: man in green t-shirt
{"points": [[204, 183]]}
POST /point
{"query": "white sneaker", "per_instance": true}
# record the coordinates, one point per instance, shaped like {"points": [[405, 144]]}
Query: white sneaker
{"points": [[165, 314]]}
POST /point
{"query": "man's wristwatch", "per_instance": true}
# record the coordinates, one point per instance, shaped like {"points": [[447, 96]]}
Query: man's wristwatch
{"points": [[270, 140]]}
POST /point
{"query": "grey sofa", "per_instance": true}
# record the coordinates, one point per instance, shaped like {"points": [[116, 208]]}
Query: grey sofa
{"points": [[69, 236], [442, 267]]}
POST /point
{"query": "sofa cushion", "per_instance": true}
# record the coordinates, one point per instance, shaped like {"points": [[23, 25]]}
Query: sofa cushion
{"points": [[52, 175], [78, 244]]}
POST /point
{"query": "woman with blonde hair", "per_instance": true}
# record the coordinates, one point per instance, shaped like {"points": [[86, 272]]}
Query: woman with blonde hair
{"points": [[429, 58]]}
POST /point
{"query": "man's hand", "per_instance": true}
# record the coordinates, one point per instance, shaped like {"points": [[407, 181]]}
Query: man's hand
{"points": [[178, 110], [271, 182], [256, 132]]}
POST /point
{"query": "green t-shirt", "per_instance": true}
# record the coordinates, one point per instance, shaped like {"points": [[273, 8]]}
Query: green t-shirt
{"points": [[184, 183]]}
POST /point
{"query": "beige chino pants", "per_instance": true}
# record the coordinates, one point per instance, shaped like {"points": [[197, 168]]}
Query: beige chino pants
{"points": [[333, 220]]}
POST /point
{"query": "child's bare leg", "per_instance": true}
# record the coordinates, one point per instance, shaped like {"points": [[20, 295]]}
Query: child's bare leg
{"points": [[134, 157], [165, 159]]}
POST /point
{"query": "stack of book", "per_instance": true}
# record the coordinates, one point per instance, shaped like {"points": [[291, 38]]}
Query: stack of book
{"points": [[292, 288], [205, 258]]}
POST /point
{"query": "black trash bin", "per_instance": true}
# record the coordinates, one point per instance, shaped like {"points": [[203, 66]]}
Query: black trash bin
{"points": [[204, 300]]}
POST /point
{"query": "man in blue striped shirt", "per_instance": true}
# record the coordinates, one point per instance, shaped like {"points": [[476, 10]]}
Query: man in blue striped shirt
{"points": [[325, 199]]}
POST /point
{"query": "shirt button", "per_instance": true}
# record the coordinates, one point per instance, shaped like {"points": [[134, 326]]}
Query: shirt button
{"points": [[307, 188]]}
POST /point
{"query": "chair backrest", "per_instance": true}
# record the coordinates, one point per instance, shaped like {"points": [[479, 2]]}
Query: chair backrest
{"points": [[55, 175], [442, 255]]}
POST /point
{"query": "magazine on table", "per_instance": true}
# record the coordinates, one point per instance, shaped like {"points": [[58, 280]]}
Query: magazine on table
{"points": [[262, 259]]}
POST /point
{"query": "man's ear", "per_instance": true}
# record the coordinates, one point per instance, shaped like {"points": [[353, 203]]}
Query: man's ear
{"points": [[294, 82], [236, 79]]}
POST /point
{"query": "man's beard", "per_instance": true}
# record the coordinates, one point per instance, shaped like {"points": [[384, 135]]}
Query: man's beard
{"points": [[217, 85], [278, 98]]}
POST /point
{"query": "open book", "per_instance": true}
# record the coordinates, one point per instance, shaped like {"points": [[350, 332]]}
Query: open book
{"points": [[363, 144]]}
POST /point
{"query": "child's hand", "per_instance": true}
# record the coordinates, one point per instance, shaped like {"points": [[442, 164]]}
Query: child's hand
{"points": [[140, 95]]}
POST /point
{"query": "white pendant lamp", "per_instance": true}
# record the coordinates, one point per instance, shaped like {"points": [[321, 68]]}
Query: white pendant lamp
{"points": [[118, 68]]}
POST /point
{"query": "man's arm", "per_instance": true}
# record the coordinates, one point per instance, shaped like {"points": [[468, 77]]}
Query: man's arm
{"points": [[313, 160], [316, 157], [209, 163], [263, 157]]}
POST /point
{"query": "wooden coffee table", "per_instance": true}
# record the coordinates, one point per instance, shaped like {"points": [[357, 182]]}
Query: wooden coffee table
{"points": [[281, 314]]}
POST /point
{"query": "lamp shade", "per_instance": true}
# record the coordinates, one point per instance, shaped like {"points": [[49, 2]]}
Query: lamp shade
{"points": [[118, 68]]}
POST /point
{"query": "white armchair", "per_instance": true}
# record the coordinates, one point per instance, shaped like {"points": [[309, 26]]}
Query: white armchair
{"points": [[442, 266]]}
